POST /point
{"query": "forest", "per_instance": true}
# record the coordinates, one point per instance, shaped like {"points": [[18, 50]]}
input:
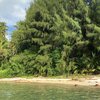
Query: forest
{"points": [[57, 37]]}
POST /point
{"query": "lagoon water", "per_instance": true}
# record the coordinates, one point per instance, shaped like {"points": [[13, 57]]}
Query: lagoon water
{"points": [[34, 91]]}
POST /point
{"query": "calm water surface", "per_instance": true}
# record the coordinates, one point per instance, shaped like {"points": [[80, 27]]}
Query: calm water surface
{"points": [[33, 91]]}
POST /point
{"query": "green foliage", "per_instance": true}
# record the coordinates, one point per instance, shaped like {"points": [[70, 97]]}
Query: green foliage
{"points": [[3, 43], [5, 73], [22, 64], [56, 38]]}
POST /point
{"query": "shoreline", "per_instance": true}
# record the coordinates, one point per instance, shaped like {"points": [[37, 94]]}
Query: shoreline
{"points": [[76, 82]]}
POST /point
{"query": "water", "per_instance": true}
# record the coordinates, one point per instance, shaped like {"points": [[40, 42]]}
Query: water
{"points": [[33, 91]]}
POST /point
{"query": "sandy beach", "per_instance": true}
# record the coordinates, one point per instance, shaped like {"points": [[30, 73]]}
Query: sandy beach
{"points": [[95, 81]]}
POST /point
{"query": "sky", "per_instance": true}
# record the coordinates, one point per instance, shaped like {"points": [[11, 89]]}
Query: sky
{"points": [[12, 11]]}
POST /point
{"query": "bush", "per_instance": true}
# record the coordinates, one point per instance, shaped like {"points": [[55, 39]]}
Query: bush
{"points": [[5, 73]]}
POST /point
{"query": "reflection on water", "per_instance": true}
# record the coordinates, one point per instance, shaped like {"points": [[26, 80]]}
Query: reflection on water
{"points": [[33, 91]]}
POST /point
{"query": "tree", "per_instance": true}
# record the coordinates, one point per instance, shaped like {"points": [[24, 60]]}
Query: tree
{"points": [[3, 29], [64, 35]]}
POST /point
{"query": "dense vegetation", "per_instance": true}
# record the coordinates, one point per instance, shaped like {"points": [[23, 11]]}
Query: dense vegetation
{"points": [[58, 37]]}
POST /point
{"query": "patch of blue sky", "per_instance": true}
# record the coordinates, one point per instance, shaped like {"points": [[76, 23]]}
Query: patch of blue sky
{"points": [[12, 11]]}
